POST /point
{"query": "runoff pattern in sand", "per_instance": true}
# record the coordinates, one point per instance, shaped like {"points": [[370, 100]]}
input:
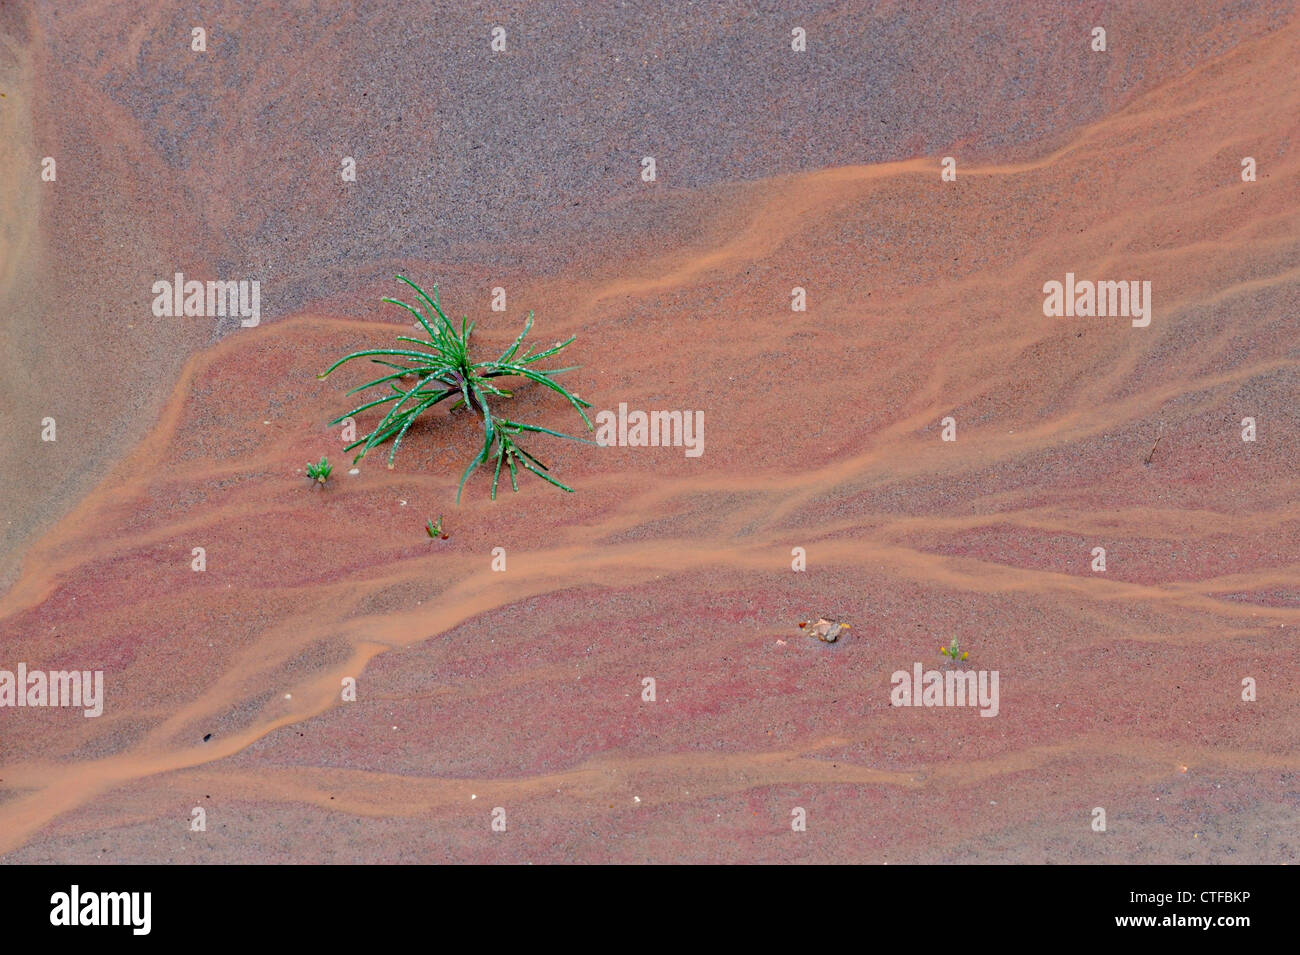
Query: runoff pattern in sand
{"points": [[522, 689]]}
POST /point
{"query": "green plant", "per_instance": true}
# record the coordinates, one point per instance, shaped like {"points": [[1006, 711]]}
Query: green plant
{"points": [[435, 530], [443, 369], [320, 473], [954, 652]]}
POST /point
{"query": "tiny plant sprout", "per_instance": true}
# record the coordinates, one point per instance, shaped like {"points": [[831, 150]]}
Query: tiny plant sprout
{"points": [[320, 473], [434, 530], [954, 652], [442, 368]]}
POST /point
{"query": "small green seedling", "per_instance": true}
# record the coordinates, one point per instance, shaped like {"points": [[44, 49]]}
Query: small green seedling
{"points": [[435, 530], [443, 369], [320, 473], [954, 652]]}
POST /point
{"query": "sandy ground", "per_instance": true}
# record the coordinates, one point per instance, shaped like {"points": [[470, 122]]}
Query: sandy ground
{"points": [[522, 689]]}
